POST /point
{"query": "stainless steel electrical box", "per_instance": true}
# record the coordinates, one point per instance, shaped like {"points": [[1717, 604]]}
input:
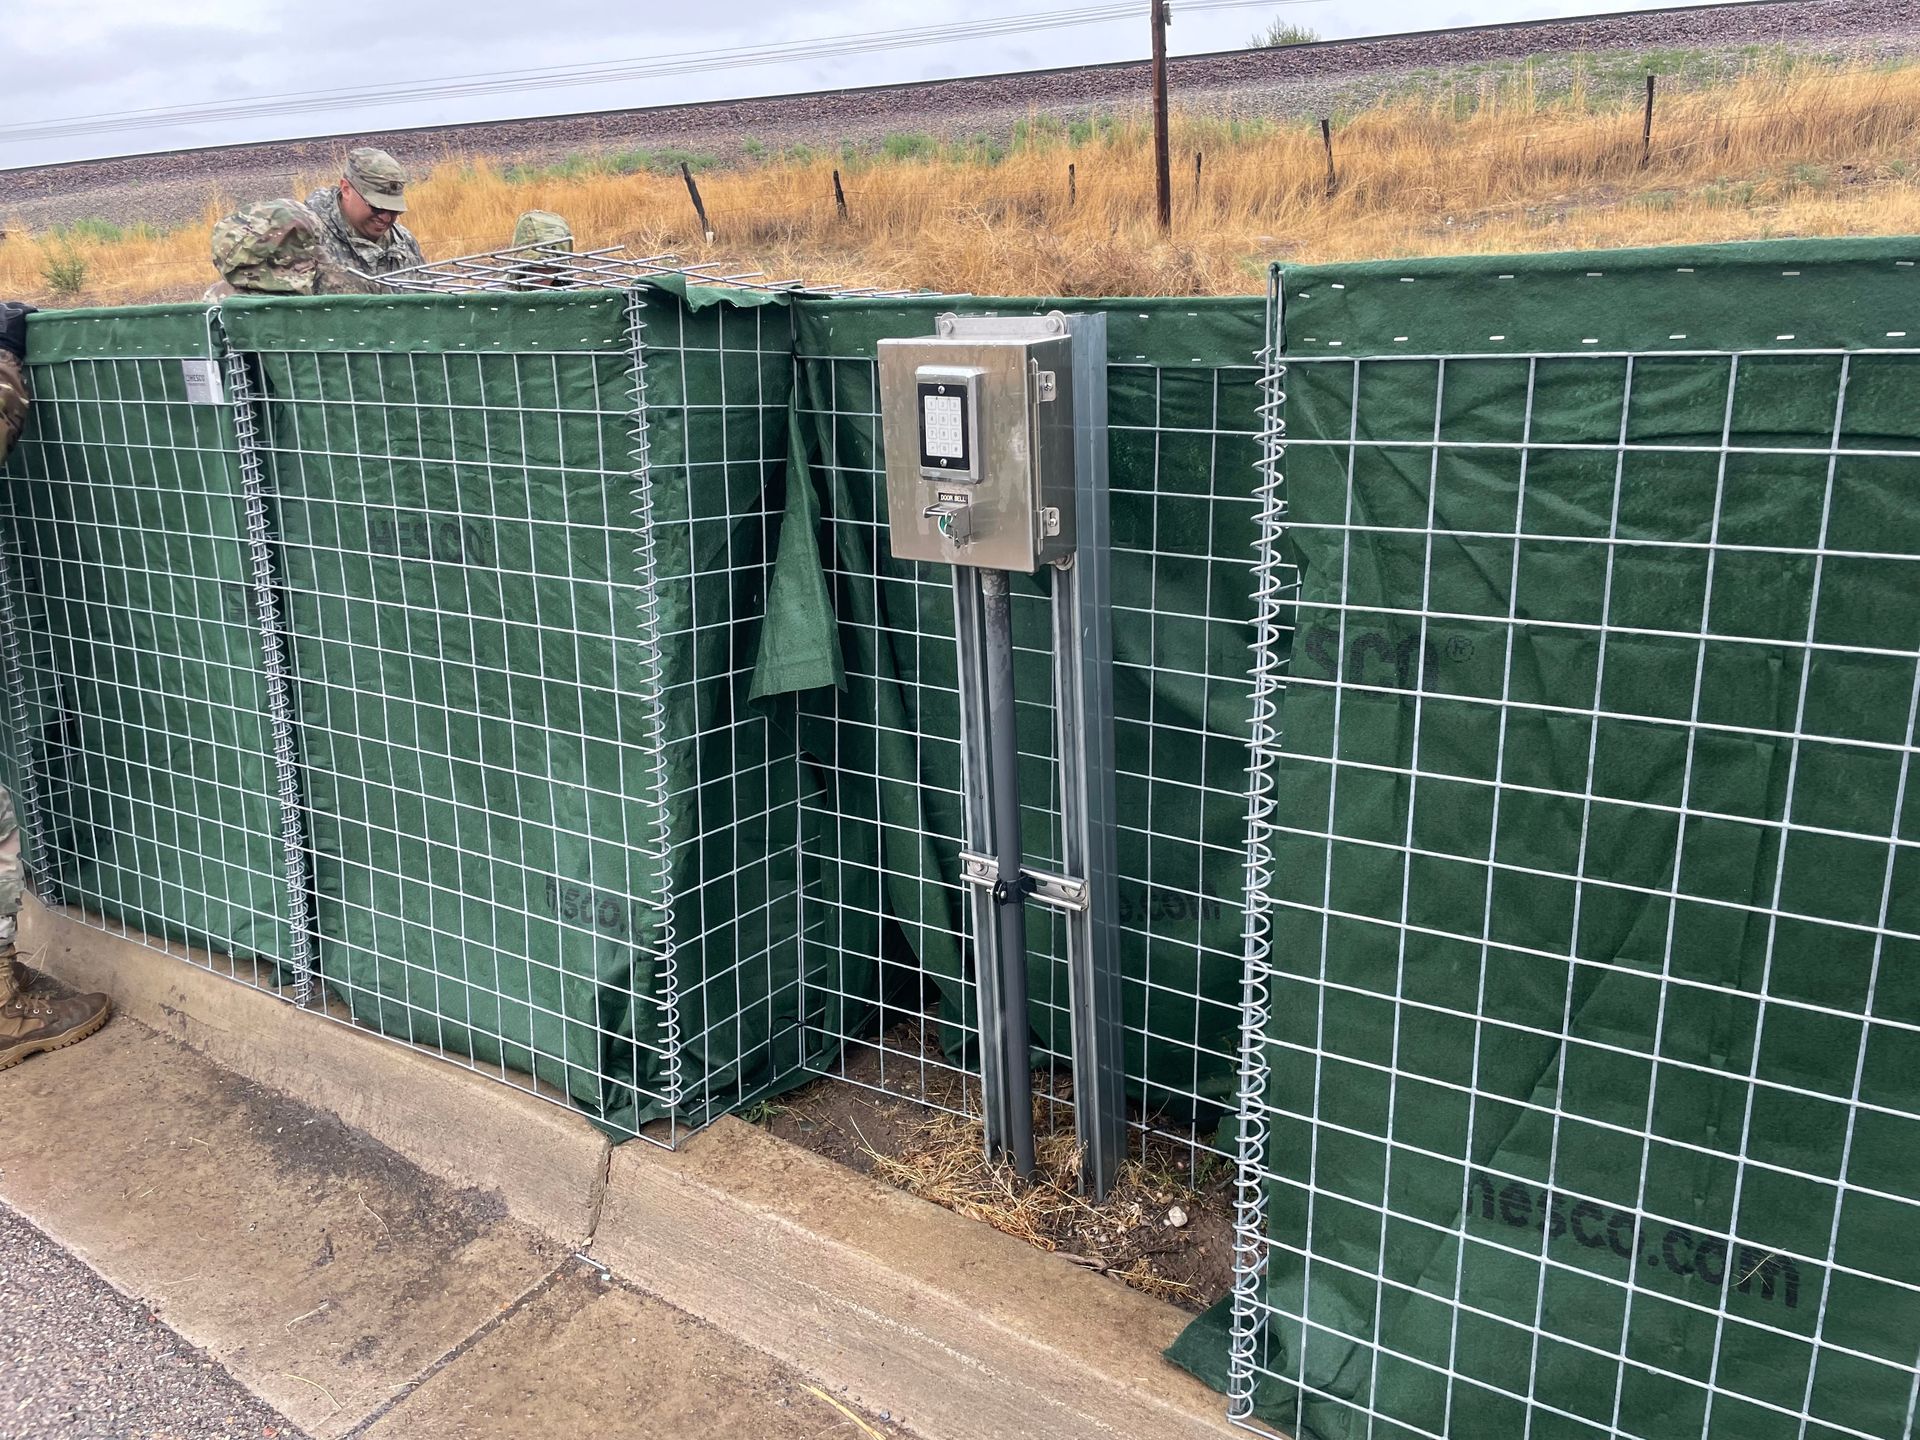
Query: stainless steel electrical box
{"points": [[978, 425]]}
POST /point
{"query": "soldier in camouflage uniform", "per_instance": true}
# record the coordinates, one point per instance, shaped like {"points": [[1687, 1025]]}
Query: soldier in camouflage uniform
{"points": [[554, 237], [29, 1023], [13, 373], [545, 229], [272, 247], [359, 217]]}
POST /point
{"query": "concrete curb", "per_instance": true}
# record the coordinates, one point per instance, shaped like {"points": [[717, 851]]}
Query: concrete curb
{"points": [[955, 1331], [548, 1164]]}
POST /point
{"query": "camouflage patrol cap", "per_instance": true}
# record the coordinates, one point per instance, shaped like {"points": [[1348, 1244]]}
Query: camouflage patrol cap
{"points": [[270, 248], [543, 228], [378, 177]]}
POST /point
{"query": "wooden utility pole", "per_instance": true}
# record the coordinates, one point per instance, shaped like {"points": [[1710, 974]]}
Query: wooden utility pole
{"points": [[1162, 174]]}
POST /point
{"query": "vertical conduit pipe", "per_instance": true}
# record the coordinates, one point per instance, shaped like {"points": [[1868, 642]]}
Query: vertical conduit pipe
{"points": [[1010, 896]]}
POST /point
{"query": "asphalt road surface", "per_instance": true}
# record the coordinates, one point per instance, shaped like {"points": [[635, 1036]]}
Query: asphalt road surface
{"points": [[81, 1361]]}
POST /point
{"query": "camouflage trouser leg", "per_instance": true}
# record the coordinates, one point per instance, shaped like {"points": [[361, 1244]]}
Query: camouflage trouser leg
{"points": [[13, 880]]}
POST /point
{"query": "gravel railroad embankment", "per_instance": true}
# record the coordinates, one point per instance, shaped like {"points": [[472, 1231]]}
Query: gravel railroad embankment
{"points": [[172, 187]]}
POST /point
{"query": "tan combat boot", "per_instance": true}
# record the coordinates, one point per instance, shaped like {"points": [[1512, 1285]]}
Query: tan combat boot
{"points": [[32, 1023]]}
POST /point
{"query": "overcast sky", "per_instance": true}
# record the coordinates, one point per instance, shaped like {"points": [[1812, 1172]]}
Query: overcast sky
{"points": [[81, 58]]}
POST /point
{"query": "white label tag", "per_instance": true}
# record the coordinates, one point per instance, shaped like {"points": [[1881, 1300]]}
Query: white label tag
{"points": [[203, 382]]}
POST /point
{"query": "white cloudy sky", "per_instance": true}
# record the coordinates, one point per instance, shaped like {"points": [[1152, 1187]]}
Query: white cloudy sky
{"points": [[84, 58]]}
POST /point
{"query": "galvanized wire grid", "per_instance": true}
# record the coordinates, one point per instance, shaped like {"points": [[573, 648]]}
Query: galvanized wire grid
{"points": [[718, 382], [612, 267], [563, 603], [1183, 506], [471, 618], [1575, 1289], [144, 756]]}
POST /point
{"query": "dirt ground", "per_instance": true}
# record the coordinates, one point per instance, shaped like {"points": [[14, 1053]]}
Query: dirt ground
{"points": [[1167, 1229]]}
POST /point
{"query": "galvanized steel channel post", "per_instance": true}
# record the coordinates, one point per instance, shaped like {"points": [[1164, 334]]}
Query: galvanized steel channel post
{"points": [[1083, 697]]}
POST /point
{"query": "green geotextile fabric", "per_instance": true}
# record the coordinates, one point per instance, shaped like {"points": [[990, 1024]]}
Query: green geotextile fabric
{"points": [[145, 699], [456, 502], [1795, 294], [454, 498], [742, 625], [1396, 989], [882, 894]]}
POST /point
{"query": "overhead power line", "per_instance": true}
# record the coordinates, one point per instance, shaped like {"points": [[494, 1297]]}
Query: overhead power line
{"points": [[684, 62]]}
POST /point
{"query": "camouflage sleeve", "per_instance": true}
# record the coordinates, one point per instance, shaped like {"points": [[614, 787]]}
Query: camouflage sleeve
{"points": [[336, 280], [14, 396], [410, 246]]}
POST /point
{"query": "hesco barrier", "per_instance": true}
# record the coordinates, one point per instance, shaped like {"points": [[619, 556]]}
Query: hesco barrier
{"points": [[513, 604], [147, 780], [477, 677], [1584, 1087], [619, 758], [1516, 679]]}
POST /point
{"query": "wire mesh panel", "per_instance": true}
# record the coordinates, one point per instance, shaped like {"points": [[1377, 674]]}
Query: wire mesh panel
{"points": [[462, 506], [144, 754], [542, 265], [882, 904], [1588, 1098], [738, 635]]}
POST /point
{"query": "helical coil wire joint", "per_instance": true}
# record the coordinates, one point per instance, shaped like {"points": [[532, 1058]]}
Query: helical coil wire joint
{"points": [[270, 622], [650, 694], [1274, 585]]}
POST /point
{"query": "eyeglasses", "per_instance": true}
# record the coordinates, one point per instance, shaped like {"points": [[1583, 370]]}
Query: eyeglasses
{"points": [[387, 214]]}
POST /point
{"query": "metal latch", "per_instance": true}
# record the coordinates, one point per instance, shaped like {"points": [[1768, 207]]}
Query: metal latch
{"points": [[952, 519], [1049, 519], [1046, 387], [1057, 892]]}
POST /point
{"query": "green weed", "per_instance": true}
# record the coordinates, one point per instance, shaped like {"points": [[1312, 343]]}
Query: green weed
{"points": [[1280, 33], [909, 146], [65, 270], [91, 227]]}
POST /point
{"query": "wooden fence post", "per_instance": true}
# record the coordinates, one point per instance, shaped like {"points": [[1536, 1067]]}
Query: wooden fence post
{"points": [[698, 208], [1073, 196], [1326, 139], [1646, 128], [1198, 157], [839, 196]]}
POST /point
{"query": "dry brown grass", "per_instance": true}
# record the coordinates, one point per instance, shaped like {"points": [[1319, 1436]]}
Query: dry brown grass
{"points": [[946, 1164], [1777, 152]]}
